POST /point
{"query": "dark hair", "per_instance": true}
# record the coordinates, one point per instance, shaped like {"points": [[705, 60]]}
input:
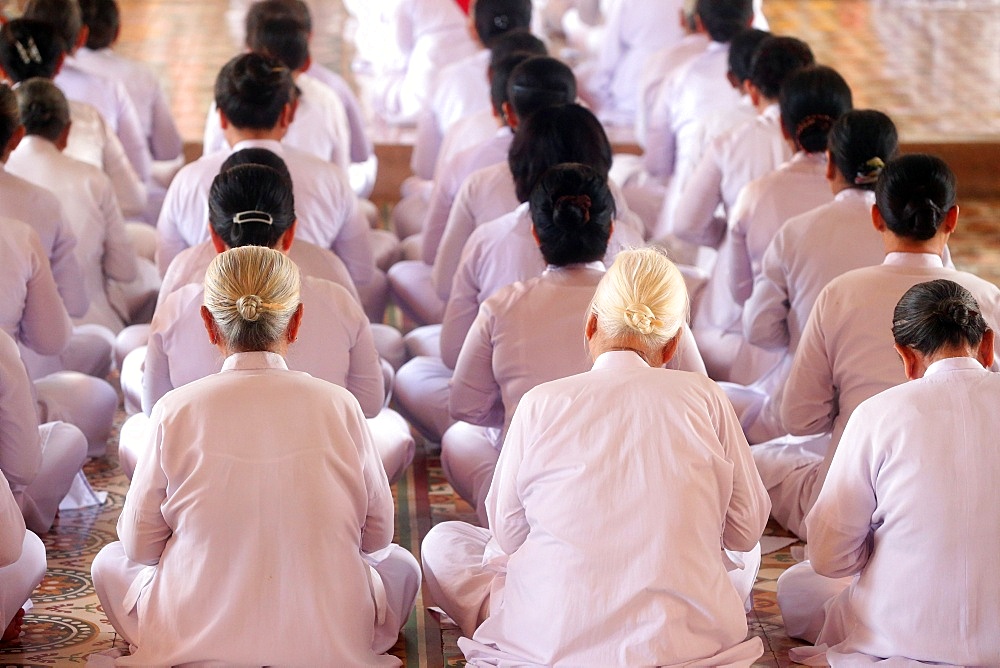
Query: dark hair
{"points": [[282, 37], [499, 75], [29, 48], [516, 41], [723, 19], [43, 107], [860, 143], [252, 89], [572, 209], [567, 133], [265, 9], [914, 194], [257, 156], [243, 198], [811, 99], [742, 48], [775, 60], [10, 115], [538, 83], [63, 15], [495, 17], [935, 314], [103, 20]]}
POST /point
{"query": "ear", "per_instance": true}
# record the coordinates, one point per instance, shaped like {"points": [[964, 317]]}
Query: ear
{"points": [[63, 137], [950, 220], [755, 98], [81, 37], [223, 119], [210, 327], [534, 235], [294, 323], [218, 244], [307, 64], [286, 238], [877, 219], [670, 348], [911, 362], [14, 140], [288, 114], [510, 115], [985, 352], [591, 327], [59, 63], [831, 169]]}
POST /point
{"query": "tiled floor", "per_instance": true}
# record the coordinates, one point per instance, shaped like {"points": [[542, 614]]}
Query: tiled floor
{"points": [[934, 65]]}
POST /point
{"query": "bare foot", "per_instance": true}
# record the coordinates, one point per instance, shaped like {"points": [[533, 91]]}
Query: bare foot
{"points": [[13, 629]]}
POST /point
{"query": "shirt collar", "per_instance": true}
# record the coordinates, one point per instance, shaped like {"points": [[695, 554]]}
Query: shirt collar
{"points": [[856, 193], [270, 144], [898, 259], [596, 266], [619, 359], [255, 360], [953, 364]]}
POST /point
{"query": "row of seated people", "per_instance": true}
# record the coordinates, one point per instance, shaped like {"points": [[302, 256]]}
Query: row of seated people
{"points": [[580, 199]]}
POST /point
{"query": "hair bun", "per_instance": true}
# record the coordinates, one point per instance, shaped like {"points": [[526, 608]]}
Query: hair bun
{"points": [[580, 202], [641, 318], [955, 312], [250, 307]]}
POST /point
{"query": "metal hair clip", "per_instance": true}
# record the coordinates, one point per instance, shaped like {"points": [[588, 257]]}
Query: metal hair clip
{"points": [[253, 217]]}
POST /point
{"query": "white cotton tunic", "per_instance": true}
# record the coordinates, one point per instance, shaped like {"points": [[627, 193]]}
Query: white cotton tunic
{"points": [[846, 356], [261, 493], [909, 497], [327, 209], [587, 585], [103, 249]]}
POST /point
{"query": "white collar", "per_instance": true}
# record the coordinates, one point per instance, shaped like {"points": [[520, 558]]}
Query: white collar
{"points": [[255, 360], [899, 259]]}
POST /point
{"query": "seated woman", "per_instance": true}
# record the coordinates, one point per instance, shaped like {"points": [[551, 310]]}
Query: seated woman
{"points": [[907, 498], [22, 564], [845, 354], [524, 590], [277, 504]]}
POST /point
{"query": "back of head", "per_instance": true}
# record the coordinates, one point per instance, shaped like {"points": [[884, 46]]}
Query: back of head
{"points": [[641, 300], [284, 38], [499, 76], [252, 90], [914, 194], [516, 41], [741, 52], [538, 83], [10, 115], [44, 109], [252, 293], [63, 15], [265, 9], [935, 315], [723, 19], [572, 209], [567, 133], [103, 20], [495, 17], [251, 204], [860, 143], [29, 48], [775, 60], [811, 100]]}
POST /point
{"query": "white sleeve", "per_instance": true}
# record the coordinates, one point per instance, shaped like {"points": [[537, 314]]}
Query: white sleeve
{"points": [[20, 449], [142, 528], [809, 403], [11, 526], [765, 314], [475, 393], [504, 509]]}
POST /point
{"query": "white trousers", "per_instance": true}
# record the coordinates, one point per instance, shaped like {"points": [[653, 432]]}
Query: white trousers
{"points": [[114, 574], [84, 401], [413, 292], [390, 434], [64, 450], [452, 556], [468, 458], [19, 579], [790, 469], [804, 596], [88, 352], [421, 391], [385, 248], [408, 214]]}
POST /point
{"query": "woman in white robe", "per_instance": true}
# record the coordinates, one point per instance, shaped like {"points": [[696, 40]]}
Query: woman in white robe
{"points": [[909, 497], [231, 446], [845, 354], [557, 540], [22, 563]]}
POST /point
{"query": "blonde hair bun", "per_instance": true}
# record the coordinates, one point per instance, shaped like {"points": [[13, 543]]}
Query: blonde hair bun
{"points": [[641, 318], [250, 307]]}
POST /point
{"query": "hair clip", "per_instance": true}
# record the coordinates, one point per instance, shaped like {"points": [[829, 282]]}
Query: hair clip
{"points": [[30, 54], [501, 22], [253, 217], [869, 172]]}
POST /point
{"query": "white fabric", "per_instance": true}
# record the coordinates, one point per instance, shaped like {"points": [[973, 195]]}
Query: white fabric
{"points": [[320, 126], [763, 206], [429, 36], [22, 558], [551, 496], [657, 69], [334, 344], [361, 144], [461, 88], [93, 141], [846, 356], [261, 433], [327, 210], [39, 208], [731, 161], [103, 249], [144, 89], [896, 506], [109, 97]]}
